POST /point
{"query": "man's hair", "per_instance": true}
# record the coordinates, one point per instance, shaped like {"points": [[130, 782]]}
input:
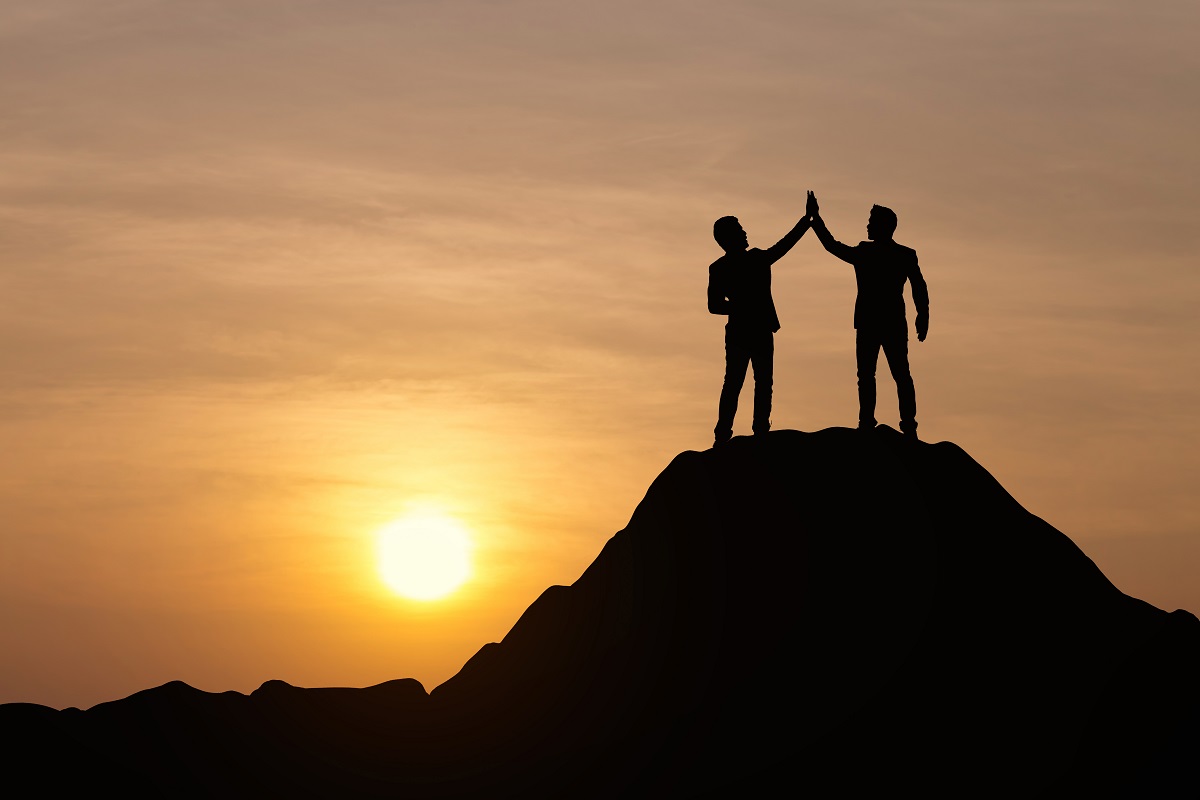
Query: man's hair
{"points": [[886, 217], [723, 228]]}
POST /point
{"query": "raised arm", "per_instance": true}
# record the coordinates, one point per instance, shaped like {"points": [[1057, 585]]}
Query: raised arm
{"points": [[843, 251], [780, 248]]}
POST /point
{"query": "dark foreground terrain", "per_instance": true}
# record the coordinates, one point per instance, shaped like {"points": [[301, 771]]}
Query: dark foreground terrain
{"points": [[822, 614]]}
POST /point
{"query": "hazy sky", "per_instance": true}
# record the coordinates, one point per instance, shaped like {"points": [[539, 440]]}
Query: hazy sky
{"points": [[275, 273]]}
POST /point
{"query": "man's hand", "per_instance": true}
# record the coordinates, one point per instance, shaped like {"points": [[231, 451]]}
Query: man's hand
{"points": [[810, 207], [922, 327]]}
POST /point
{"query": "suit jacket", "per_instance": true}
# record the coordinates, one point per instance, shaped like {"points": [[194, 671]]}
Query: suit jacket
{"points": [[881, 268], [739, 284]]}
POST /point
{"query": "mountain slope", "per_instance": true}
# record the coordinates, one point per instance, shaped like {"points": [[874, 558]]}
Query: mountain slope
{"points": [[834, 611], [810, 603]]}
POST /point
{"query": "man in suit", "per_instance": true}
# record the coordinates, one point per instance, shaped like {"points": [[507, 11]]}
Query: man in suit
{"points": [[739, 284], [881, 267]]}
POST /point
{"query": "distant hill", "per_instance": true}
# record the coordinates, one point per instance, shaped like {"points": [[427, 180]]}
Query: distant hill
{"points": [[837, 613]]}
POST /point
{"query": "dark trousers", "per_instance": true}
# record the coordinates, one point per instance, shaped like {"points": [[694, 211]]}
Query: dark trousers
{"points": [[757, 350], [895, 349]]}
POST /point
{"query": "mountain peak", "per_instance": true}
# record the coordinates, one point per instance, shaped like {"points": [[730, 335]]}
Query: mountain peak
{"points": [[838, 609]]}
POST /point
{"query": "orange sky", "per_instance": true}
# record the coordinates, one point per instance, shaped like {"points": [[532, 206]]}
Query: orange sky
{"points": [[276, 272]]}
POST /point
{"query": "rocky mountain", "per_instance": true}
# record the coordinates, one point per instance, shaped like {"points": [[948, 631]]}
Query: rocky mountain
{"points": [[836, 613]]}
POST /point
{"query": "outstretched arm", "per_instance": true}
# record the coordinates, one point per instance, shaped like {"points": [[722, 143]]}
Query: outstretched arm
{"points": [[843, 251], [780, 248]]}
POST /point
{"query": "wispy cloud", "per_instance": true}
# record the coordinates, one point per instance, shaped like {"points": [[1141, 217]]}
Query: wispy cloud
{"points": [[271, 268]]}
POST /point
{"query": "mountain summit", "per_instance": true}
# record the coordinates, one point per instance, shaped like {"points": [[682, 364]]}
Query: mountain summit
{"points": [[844, 613]]}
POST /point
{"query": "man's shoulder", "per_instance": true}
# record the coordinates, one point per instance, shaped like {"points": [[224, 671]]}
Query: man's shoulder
{"points": [[758, 256], [890, 248], [863, 250], [730, 260]]}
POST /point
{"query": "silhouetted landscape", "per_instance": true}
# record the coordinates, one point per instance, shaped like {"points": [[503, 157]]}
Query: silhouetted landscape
{"points": [[841, 612]]}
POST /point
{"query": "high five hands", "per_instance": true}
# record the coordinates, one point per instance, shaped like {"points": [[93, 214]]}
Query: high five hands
{"points": [[811, 209]]}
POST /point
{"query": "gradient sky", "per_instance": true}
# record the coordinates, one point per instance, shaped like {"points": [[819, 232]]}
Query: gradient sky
{"points": [[275, 273]]}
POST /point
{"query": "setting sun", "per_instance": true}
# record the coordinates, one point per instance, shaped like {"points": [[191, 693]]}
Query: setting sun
{"points": [[424, 556]]}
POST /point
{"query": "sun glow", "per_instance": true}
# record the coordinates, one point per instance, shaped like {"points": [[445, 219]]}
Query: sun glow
{"points": [[424, 556]]}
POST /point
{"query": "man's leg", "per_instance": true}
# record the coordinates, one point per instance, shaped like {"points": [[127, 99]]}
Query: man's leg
{"points": [[737, 358], [895, 348], [763, 359], [866, 350]]}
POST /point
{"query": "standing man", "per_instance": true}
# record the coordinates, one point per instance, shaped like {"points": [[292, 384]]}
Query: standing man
{"points": [[881, 266], [739, 284]]}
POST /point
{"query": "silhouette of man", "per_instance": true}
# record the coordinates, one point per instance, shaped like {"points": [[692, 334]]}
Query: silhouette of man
{"points": [[739, 284], [881, 266]]}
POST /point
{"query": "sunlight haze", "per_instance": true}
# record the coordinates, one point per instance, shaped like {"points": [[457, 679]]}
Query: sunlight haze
{"points": [[275, 273], [424, 555]]}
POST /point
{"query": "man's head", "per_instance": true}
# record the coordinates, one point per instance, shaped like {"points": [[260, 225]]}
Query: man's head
{"points": [[729, 234], [882, 223]]}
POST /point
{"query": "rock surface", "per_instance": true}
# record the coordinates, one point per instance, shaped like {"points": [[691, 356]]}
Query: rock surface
{"points": [[837, 612]]}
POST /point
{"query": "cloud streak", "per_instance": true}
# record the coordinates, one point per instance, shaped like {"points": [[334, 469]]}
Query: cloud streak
{"points": [[273, 270]]}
